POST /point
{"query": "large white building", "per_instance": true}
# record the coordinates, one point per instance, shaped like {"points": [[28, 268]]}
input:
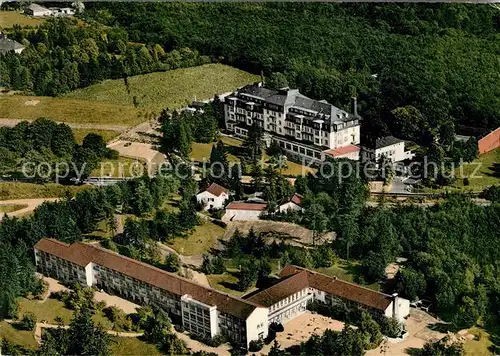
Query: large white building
{"points": [[305, 129], [204, 311]]}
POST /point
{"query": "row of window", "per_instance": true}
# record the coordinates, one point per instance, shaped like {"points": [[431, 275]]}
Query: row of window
{"points": [[300, 149]]}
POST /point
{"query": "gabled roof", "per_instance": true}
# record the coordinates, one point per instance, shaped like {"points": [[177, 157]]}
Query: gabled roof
{"points": [[288, 286], [340, 288], [235, 205], [36, 7], [296, 198], [82, 254], [7, 45], [216, 189], [386, 141]]}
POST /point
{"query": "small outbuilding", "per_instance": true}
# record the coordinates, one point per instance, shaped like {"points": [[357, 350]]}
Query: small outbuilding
{"points": [[213, 197], [293, 204], [244, 211]]}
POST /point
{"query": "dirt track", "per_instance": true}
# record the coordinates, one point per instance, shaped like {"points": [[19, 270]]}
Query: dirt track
{"points": [[31, 205]]}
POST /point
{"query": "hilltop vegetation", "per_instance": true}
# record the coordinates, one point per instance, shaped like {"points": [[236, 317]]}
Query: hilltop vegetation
{"points": [[390, 56], [172, 89]]}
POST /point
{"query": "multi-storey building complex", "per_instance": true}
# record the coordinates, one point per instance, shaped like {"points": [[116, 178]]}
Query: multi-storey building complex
{"points": [[306, 129], [205, 311]]}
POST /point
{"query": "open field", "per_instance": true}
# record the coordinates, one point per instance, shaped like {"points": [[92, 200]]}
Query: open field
{"points": [[172, 89], [199, 241], [11, 18], [10, 208], [16, 190], [107, 135], [119, 168], [20, 107]]}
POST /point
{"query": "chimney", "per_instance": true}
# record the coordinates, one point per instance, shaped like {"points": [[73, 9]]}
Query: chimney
{"points": [[354, 103], [395, 305]]}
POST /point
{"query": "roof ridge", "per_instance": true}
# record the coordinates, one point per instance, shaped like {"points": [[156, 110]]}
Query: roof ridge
{"points": [[162, 271], [342, 280]]}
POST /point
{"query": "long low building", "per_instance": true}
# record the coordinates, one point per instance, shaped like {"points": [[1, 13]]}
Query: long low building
{"points": [[201, 310], [298, 286]]}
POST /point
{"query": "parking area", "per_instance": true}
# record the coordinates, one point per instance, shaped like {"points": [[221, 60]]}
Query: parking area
{"points": [[419, 332]]}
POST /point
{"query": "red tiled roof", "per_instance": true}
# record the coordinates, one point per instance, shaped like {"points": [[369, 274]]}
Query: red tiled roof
{"points": [[82, 254], [341, 151], [216, 189], [340, 288], [296, 199], [246, 206], [281, 290]]}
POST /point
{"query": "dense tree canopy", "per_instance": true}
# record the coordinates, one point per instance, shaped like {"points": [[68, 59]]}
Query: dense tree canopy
{"points": [[390, 56]]}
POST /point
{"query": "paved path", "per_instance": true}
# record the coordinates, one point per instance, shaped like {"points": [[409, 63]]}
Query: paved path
{"points": [[73, 125], [32, 204]]}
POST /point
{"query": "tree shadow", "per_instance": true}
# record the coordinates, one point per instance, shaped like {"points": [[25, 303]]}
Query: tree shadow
{"points": [[413, 351], [495, 170]]}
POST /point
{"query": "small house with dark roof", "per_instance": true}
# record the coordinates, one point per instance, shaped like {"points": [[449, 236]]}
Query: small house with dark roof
{"points": [[389, 146], [214, 197], [293, 204]]}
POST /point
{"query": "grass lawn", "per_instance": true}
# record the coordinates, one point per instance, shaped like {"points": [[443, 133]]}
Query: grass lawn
{"points": [[18, 337], [199, 241], [225, 282], [479, 346], [200, 152], [488, 171], [52, 308], [9, 208], [22, 107], [346, 271], [172, 89], [10, 18], [16, 190], [107, 135], [121, 167], [48, 310], [132, 346]]}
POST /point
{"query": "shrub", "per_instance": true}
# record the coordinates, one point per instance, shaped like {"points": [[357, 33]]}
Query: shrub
{"points": [[277, 327], [28, 322], [255, 345], [390, 327], [109, 244]]}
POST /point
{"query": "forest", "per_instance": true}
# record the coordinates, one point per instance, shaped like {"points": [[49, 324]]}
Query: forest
{"points": [[441, 59], [61, 56], [38, 148]]}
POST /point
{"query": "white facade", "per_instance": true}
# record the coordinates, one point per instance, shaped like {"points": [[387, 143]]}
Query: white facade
{"points": [[394, 152], [290, 307], [290, 206], [257, 324], [211, 201], [249, 215]]}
